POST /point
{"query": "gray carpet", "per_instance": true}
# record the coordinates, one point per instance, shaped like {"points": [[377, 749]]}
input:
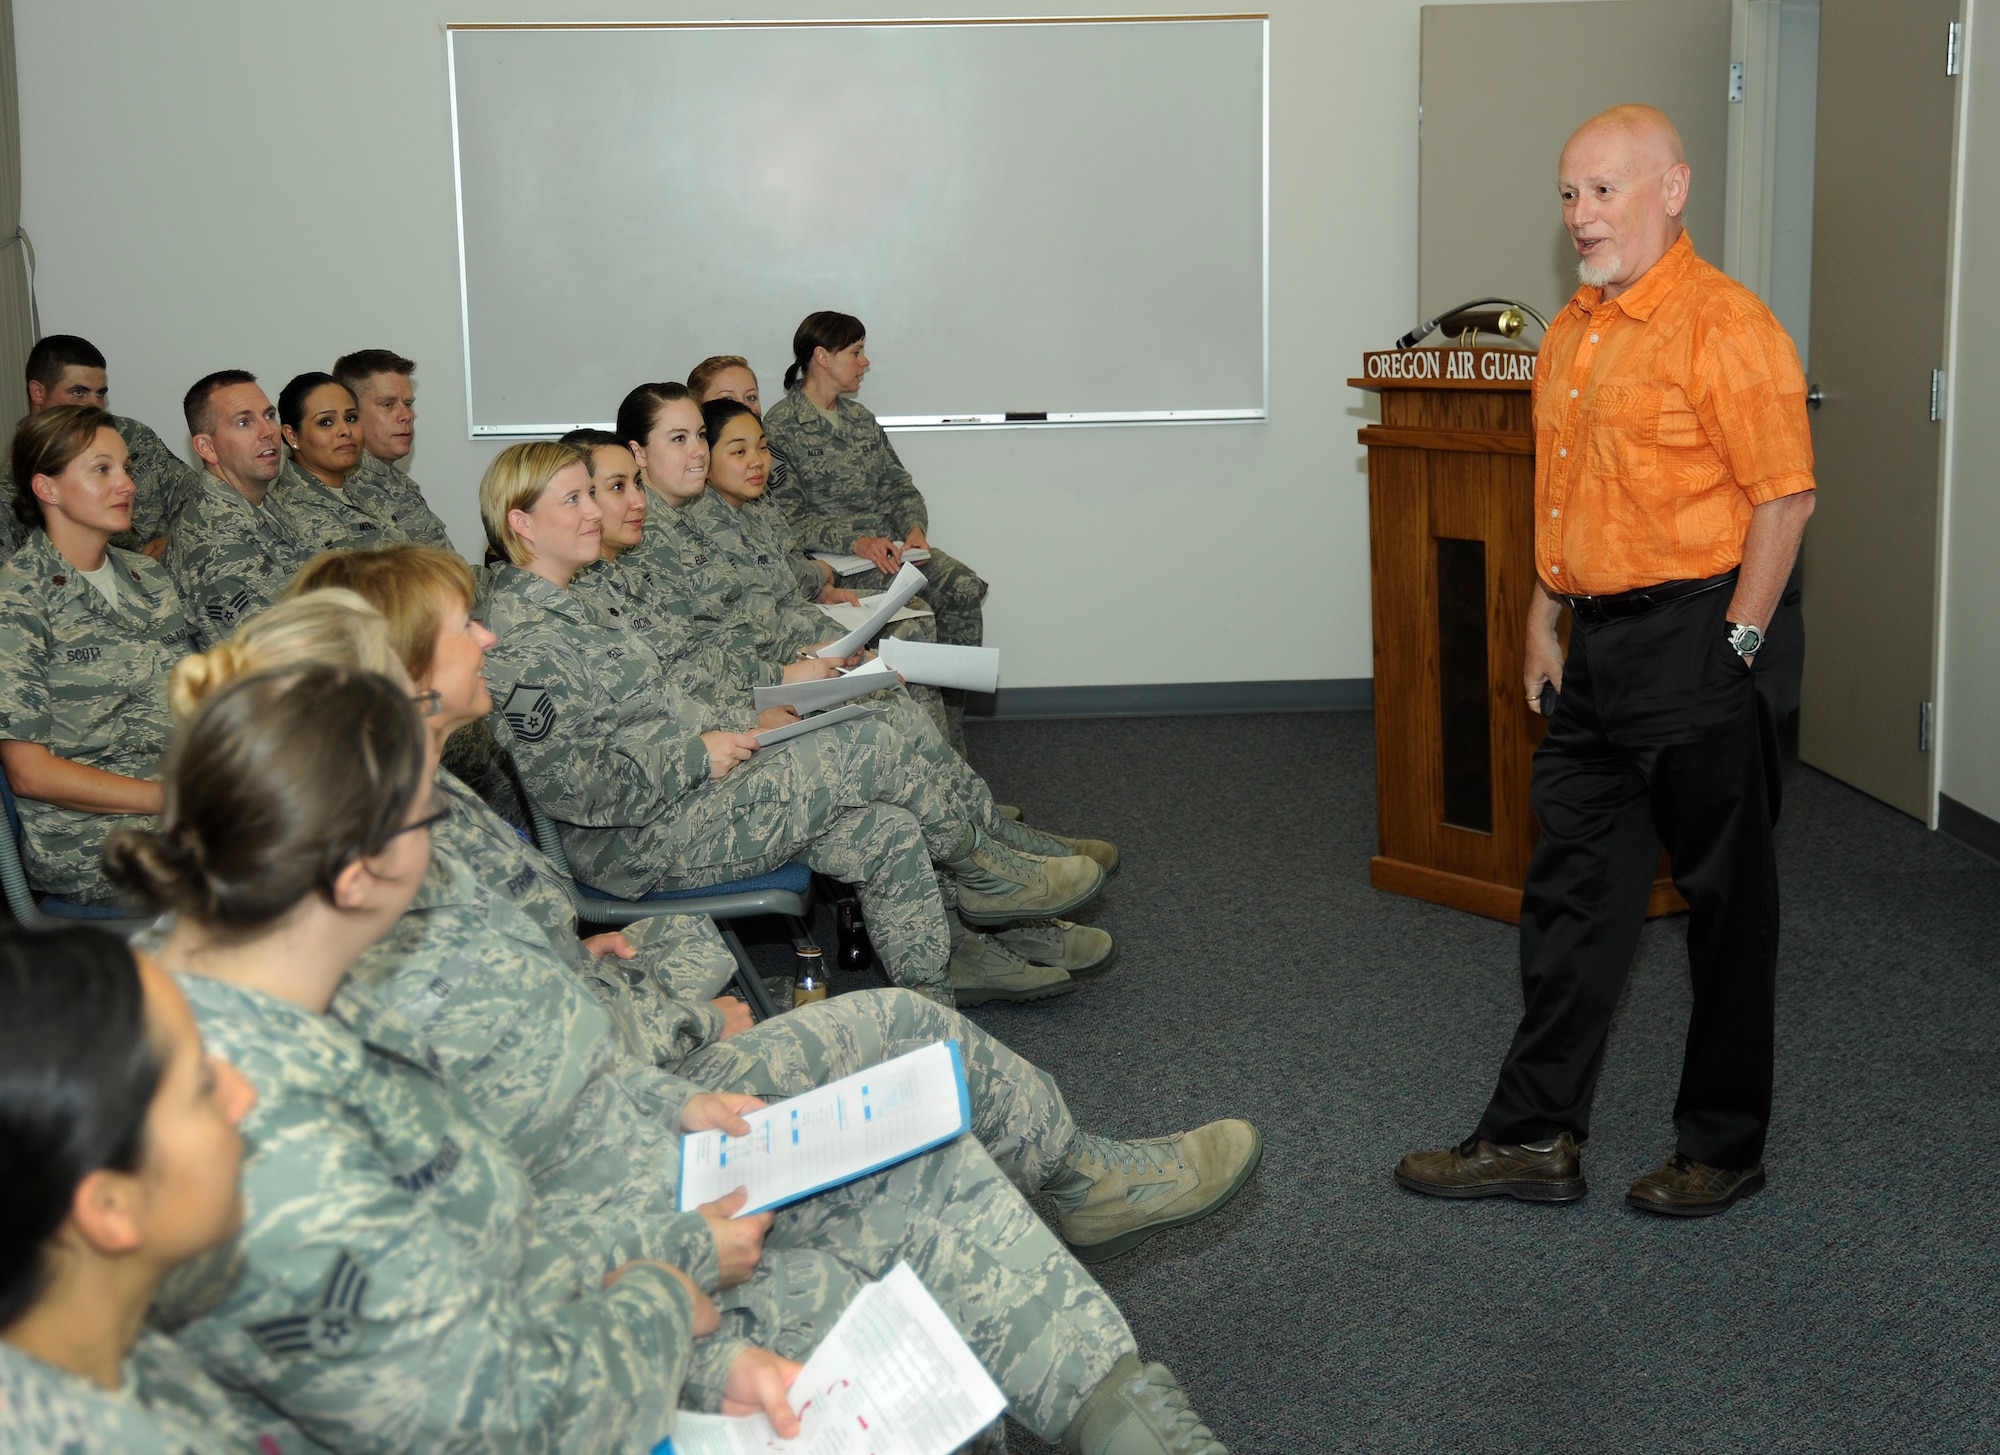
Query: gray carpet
{"points": [[1850, 1306]]}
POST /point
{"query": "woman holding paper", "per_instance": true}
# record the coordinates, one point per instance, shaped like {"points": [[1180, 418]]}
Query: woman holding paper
{"points": [[847, 490], [649, 793], [394, 1284]]}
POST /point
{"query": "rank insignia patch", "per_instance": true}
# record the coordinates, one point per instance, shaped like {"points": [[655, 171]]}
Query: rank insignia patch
{"points": [[530, 713]]}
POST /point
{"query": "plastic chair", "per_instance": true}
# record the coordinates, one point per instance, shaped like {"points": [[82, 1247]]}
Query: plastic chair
{"points": [[785, 891], [50, 911]]}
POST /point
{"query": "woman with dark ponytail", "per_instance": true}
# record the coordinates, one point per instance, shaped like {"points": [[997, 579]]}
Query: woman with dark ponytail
{"points": [[119, 1156], [845, 490]]}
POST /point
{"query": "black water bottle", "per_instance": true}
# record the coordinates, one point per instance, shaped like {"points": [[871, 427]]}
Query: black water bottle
{"points": [[853, 951]]}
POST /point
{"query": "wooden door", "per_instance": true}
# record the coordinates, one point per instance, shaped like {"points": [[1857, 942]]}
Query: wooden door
{"points": [[1881, 209]]}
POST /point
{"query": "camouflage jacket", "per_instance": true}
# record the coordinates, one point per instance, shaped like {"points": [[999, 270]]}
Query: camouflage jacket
{"points": [[657, 998], [716, 668], [766, 591], [412, 512], [164, 481], [360, 513], [604, 740], [89, 683], [166, 1406], [842, 477], [232, 559], [689, 580], [394, 1287]]}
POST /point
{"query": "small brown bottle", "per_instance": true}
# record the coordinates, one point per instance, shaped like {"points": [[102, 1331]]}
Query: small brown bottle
{"points": [[809, 979]]}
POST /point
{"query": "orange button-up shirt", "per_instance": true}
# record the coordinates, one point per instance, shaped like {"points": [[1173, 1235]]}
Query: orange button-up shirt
{"points": [[1662, 419]]}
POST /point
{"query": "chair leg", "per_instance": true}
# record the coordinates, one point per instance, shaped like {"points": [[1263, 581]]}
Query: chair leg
{"points": [[747, 981]]}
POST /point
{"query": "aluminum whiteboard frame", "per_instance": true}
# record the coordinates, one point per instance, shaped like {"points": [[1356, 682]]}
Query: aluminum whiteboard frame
{"points": [[476, 431]]}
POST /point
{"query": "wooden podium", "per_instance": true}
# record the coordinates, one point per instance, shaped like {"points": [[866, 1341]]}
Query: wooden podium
{"points": [[1451, 498]]}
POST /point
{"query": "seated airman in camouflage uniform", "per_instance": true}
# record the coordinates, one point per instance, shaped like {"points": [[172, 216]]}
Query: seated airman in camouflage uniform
{"points": [[107, 1088], [410, 1308], [1019, 1114], [650, 792], [1028, 961], [232, 549], [64, 369], [332, 502], [382, 382], [88, 634], [845, 490]]}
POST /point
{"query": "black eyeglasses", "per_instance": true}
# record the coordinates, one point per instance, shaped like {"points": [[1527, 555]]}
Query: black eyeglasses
{"points": [[423, 823]]}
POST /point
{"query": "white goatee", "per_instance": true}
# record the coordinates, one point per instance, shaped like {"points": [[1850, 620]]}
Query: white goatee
{"points": [[1595, 274]]}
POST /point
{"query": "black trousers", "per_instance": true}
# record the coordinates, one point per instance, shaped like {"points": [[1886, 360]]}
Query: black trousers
{"points": [[1661, 736]]}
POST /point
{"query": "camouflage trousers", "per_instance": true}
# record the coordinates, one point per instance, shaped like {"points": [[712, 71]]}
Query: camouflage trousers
{"points": [[1040, 1324], [854, 802], [1018, 1111]]}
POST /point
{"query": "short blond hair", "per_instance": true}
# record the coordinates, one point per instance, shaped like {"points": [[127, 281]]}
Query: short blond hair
{"points": [[515, 481], [326, 628], [406, 583], [703, 374]]}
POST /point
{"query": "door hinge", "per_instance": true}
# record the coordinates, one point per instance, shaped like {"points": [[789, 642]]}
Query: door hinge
{"points": [[1923, 727], [1937, 395], [1735, 82], [1954, 48]]}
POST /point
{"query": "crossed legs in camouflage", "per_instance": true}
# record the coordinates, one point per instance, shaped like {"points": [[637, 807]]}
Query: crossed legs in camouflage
{"points": [[1048, 1334], [1111, 1196], [857, 803]]}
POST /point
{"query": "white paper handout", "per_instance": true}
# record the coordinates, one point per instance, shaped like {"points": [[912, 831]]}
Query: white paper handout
{"points": [[834, 1134], [843, 565], [850, 617], [909, 581], [970, 669], [771, 737], [822, 693], [892, 1377]]}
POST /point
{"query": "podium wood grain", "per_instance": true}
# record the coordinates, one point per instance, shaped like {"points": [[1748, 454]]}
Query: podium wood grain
{"points": [[1453, 459]]}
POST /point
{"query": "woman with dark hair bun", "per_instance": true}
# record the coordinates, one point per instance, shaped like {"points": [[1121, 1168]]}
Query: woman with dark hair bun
{"points": [[330, 501], [847, 491], [119, 1153], [88, 634]]}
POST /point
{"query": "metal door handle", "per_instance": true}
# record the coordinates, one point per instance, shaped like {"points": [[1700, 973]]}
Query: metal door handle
{"points": [[1815, 397]]}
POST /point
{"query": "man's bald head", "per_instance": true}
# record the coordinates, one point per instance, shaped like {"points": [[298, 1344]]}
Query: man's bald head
{"points": [[1623, 177]]}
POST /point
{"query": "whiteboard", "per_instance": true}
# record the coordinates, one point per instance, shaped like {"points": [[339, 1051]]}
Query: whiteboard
{"points": [[1061, 219]]}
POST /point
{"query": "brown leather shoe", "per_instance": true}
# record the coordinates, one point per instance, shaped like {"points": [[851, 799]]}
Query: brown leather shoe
{"points": [[1475, 1168], [1683, 1188]]}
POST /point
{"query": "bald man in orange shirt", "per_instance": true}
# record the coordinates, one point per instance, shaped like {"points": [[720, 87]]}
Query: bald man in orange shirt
{"points": [[1673, 480]]}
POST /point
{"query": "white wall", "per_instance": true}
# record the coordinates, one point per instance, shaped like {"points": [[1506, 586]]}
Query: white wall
{"points": [[1968, 728], [243, 183]]}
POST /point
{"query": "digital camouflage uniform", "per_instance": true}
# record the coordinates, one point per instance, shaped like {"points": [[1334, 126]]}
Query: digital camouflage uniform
{"points": [[612, 751], [232, 559], [1018, 1111], [597, 1129], [167, 1406], [164, 481], [412, 512], [843, 481], [89, 683], [361, 513], [398, 1288], [752, 577]]}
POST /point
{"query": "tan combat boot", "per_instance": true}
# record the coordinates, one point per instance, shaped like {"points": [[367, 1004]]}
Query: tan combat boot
{"points": [[983, 969], [1054, 846], [1079, 949], [1139, 1409], [1141, 1188], [997, 885]]}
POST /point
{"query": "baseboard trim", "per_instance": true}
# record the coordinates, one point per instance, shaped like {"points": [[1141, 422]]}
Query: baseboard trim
{"points": [[1969, 827], [1177, 699]]}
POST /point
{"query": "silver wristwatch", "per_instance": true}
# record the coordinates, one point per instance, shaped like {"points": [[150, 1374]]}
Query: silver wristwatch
{"points": [[1744, 639]]}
